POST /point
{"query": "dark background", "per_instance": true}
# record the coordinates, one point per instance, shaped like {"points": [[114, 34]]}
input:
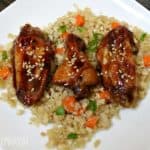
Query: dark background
{"points": [[5, 3], [145, 3]]}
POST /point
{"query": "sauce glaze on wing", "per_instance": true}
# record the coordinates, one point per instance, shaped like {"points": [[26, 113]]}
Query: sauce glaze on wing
{"points": [[76, 72], [32, 55], [117, 65]]}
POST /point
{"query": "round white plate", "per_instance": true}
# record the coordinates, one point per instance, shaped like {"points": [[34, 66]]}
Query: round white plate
{"points": [[132, 132]]}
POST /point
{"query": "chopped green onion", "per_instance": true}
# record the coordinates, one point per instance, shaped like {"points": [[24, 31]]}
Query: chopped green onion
{"points": [[4, 55], [62, 28], [92, 106], [81, 29], [142, 37], [60, 111], [93, 44], [72, 136]]}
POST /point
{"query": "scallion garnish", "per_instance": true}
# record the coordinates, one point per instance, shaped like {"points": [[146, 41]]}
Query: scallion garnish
{"points": [[62, 28], [4, 55], [92, 106], [142, 37], [72, 136], [93, 44]]}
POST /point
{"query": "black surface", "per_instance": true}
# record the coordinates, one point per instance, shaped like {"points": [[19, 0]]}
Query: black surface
{"points": [[5, 3], [145, 3]]}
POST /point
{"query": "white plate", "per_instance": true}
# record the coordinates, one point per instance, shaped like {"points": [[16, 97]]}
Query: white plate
{"points": [[132, 132]]}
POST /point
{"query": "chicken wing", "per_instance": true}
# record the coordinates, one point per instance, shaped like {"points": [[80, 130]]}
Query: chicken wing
{"points": [[118, 68], [76, 72], [32, 56]]}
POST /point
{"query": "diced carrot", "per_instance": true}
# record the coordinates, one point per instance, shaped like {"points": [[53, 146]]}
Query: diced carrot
{"points": [[80, 20], [64, 35], [146, 60], [59, 50], [91, 122], [115, 24], [69, 103], [4, 72], [104, 95]]}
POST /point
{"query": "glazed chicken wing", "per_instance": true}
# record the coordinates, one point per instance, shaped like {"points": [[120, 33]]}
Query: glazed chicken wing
{"points": [[117, 65], [32, 56], [76, 72]]}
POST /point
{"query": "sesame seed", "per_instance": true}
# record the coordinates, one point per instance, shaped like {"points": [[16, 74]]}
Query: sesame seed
{"points": [[77, 70], [30, 79], [126, 80], [122, 76], [72, 48], [36, 76], [20, 44], [81, 56], [21, 49], [115, 41], [65, 84], [36, 63], [119, 82], [105, 72], [69, 74], [74, 67], [47, 48], [40, 56], [120, 71], [113, 45], [104, 61], [32, 89], [82, 60], [120, 45]]}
